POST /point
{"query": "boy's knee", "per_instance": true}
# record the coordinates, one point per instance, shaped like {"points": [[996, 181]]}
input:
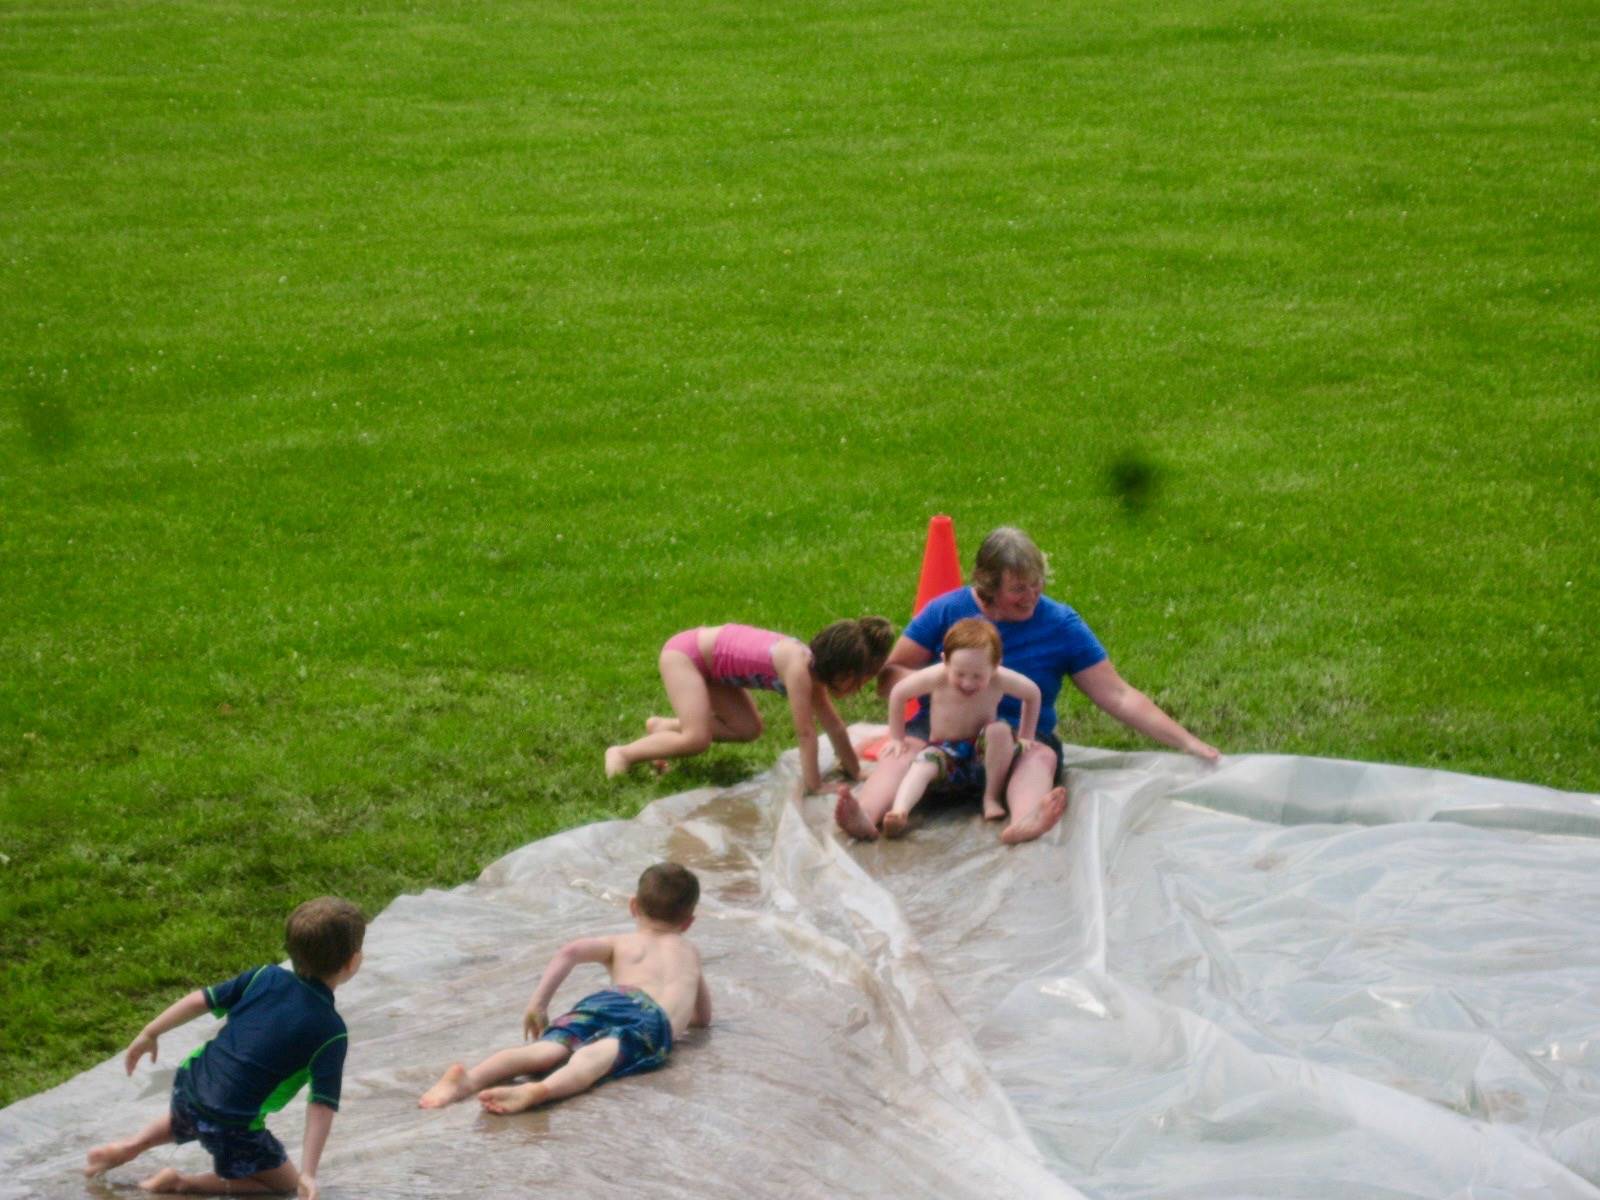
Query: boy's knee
{"points": [[997, 731]]}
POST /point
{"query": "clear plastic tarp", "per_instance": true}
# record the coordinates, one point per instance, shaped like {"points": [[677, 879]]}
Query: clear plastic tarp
{"points": [[1280, 977]]}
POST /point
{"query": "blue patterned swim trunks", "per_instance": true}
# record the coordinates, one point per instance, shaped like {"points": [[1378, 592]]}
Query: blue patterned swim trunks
{"points": [[638, 1023]]}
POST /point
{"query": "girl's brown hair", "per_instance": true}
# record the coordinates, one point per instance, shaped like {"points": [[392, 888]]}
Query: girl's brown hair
{"points": [[849, 650]]}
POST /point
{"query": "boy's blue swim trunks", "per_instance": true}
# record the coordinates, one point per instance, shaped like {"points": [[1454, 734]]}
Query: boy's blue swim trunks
{"points": [[235, 1153], [957, 760], [627, 1014]]}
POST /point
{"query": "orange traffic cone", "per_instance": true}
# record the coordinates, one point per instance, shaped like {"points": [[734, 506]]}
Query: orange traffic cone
{"points": [[941, 566], [941, 573]]}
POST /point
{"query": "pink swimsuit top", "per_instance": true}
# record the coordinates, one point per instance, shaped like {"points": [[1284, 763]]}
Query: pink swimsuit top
{"points": [[742, 656]]}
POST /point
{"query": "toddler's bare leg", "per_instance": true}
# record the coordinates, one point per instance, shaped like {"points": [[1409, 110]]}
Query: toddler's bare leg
{"points": [[662, 725], [907, 795], [284, 1179], [457, 1083], [588, 1066], [1000, 745], [114, 1154]]}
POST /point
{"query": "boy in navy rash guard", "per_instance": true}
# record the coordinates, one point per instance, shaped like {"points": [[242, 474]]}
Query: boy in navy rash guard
{"points": [[282, 1031]]}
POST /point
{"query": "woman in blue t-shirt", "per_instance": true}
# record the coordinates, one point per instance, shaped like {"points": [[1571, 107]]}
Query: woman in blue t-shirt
{"points": [[1044, 640]]}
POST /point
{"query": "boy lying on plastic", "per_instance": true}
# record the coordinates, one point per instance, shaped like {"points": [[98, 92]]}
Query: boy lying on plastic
{"points": [[657, 992]]}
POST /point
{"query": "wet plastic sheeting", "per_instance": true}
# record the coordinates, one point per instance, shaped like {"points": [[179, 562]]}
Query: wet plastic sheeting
{"points": [[1280, 978]]}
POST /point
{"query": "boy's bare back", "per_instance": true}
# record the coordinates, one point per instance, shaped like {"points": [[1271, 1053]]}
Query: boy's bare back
{"points": [[665, 966]]}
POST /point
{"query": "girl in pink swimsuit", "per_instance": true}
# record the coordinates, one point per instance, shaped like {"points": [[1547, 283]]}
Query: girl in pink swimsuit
{"points": [[709, 673]]}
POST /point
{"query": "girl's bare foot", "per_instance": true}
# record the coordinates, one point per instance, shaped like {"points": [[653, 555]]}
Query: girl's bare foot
{"points": [[452, 1086], [511, 1099], [102, 1158], [1050, 810], [168, 1179], [847, 812], [993, 810], [616, 762], [662, 725], [894, 824]]}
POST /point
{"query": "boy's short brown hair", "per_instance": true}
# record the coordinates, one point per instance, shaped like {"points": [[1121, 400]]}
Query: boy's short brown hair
{"points": [[322, 935], [668, 893], [973, 633]]}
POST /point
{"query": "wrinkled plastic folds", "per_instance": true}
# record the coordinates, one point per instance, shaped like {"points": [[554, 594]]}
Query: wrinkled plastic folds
{"points": [[1281, 977]]}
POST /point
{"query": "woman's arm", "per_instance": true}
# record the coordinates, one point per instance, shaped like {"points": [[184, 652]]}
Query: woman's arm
{"points": [[905, 658], [1117, 697]]}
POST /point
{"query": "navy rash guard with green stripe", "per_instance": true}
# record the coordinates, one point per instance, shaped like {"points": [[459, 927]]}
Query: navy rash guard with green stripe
{"points": [[282, 1030]]}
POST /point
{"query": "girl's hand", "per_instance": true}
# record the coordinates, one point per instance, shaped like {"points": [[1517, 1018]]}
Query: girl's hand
{"points": [[1024, 745], [144, 1044], [896, 748]]}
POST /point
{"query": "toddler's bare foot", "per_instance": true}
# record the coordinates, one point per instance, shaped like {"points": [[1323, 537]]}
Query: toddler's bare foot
{"points": [[1050, 810], [993, 810], [452, 1086], [661, 725], [894, 823], [616, 762], [102, 1158], [511, 1099], [847, 812], [660, 765], [168, 1179]]}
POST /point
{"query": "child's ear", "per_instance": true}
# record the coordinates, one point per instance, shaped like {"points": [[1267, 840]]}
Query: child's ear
{"points": [[684, 928], [633, 906]]}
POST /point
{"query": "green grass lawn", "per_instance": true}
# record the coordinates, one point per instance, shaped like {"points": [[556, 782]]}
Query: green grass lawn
{"points": [[384, 383]]}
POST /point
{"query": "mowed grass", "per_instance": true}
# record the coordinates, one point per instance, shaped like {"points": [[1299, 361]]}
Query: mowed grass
{"points": [[385, 383]]}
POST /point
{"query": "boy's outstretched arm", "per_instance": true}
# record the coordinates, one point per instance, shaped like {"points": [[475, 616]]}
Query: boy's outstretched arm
{"points": [[592, 950], [319, 1120], [1014, 683], [918, 683], [177, 1013], [702, 1005]]}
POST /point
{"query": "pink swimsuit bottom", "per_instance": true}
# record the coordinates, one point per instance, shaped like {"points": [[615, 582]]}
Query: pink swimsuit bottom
{"points": [[741, 656]]}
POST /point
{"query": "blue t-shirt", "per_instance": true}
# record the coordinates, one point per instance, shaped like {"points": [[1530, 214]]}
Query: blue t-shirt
{"points": [[282, 1030], [1047, 647]]}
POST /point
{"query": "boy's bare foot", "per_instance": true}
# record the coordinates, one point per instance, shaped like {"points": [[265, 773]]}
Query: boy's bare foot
{"points": [[102, 1158], [452, 1086], [1050, 810], [993, 810], [616, 762], [894, 824], [847, 812], [511, 1099], [168, 1179], [661, 725]]}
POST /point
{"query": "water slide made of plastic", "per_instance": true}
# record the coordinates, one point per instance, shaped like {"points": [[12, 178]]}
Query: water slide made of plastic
{"points": [[1279, 977]]}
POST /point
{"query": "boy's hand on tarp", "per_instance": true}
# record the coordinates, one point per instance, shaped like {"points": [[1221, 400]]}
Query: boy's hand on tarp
{"points": [[533, 1023]]}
